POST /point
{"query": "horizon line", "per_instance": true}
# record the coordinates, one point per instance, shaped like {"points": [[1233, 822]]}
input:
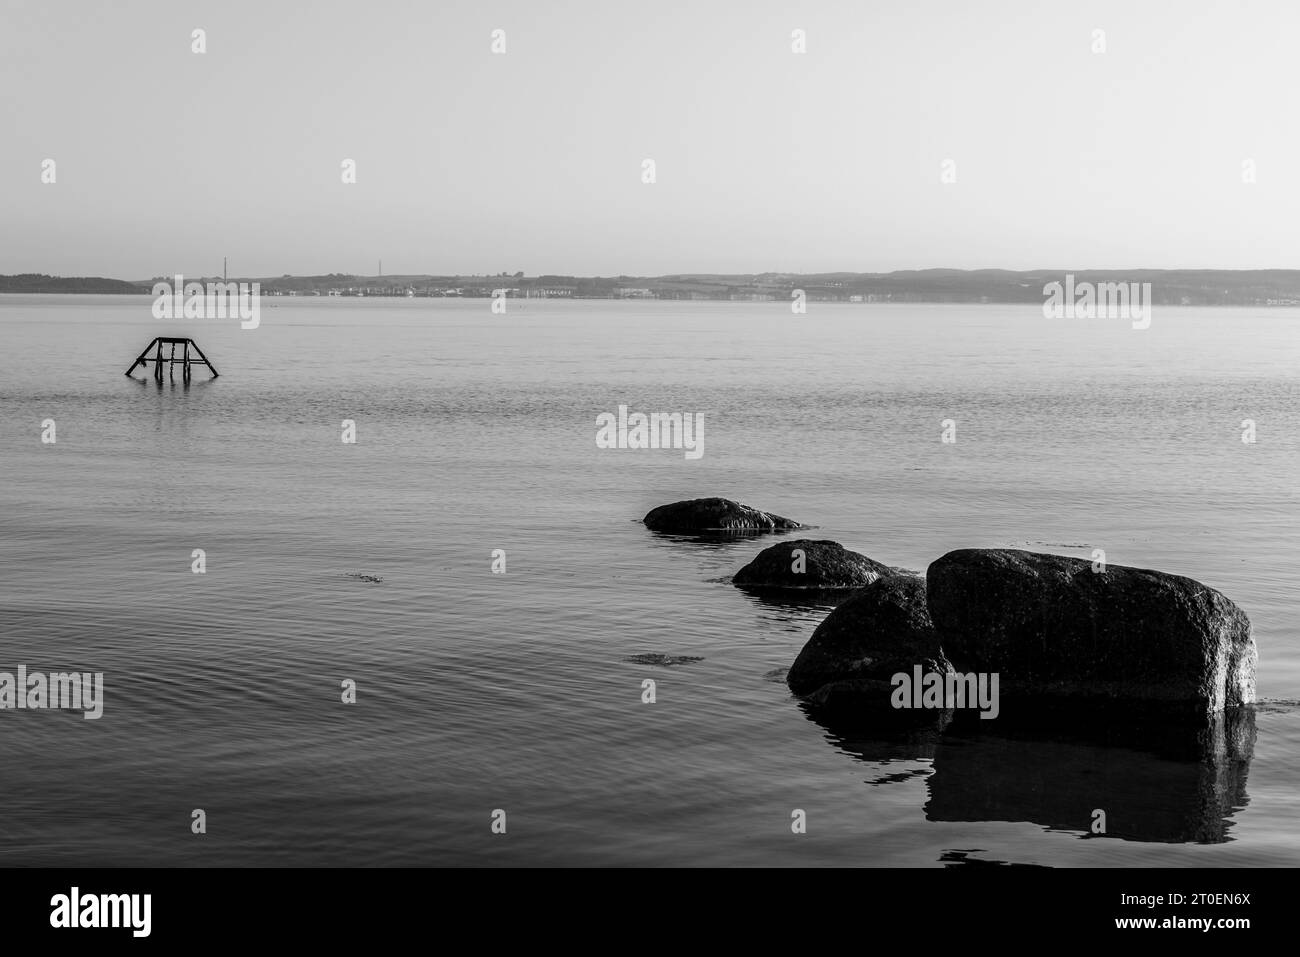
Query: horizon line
{"points": [[672, 275]]}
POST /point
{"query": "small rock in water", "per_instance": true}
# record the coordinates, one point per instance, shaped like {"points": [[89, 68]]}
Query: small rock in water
{"points": [[807, 564], [663, 661], [714, 515]]}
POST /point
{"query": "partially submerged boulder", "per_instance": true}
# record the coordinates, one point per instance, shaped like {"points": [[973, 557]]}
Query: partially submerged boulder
{"points": [[714, 515], [1054, 628], [805, 563], [858, 713], [880, 631]]}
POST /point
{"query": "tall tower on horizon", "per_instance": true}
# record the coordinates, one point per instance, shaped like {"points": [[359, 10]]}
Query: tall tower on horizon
{"points": [[223, 269]]}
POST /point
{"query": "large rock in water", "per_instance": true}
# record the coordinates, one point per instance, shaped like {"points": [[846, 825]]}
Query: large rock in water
{"points": [[880, 631], [714, 515], [823, 565], [1051, 627]]}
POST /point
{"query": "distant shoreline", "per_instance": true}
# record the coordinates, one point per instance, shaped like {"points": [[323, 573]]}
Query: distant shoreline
{"points": [[1171, 287]]}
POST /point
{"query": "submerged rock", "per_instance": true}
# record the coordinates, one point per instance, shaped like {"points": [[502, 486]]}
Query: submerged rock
{"points": [[1053, 628], [714, 515], [661, 660], [821, 565], [880, 631]]}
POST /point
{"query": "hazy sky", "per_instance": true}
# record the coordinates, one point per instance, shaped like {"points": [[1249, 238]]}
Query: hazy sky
{"points": [[471, 162]]}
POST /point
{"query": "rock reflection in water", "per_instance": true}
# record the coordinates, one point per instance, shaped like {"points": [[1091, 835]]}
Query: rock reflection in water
{"points": [[1157, 781]]}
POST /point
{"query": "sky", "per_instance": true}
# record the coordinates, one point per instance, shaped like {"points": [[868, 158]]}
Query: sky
{"points": [[1056, 154]]}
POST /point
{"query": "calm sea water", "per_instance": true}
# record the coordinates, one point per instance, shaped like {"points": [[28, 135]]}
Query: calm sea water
{"points": [[478, 691]]}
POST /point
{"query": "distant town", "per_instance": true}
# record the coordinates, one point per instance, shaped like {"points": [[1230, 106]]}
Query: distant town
{"points": [[1188, 287]]}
